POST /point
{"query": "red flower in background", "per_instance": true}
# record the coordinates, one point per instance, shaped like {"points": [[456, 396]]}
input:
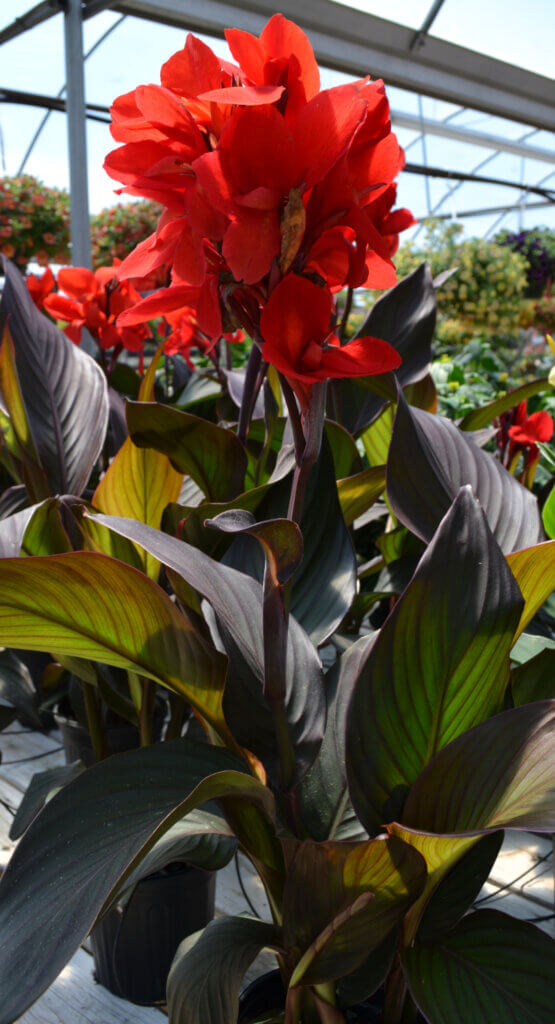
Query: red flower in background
{"points": [[40, 287], [528, 430], [94, 301]]}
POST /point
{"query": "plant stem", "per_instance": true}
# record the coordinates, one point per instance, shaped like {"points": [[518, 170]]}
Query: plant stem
{"points": [[294, 417], [145, 717], [178, 707], [249, 398], [94, 722], [346, 314]]}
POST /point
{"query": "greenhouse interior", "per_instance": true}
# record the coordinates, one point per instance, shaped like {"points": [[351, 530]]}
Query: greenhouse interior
{"points": [[277, 512]]}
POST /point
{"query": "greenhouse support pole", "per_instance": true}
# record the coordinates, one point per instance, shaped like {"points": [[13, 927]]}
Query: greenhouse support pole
{"points": [[77, 135]]}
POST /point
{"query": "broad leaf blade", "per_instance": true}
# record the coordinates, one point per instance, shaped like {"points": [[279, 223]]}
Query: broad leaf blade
{"points": [[41, 788], [430, 459], [90, 606], [212, 456], [63, 389], [405, 317], [67, 865], [357, 493], [237, 602], [439, 666], [491, 968], [534, 570], [205, 977]]}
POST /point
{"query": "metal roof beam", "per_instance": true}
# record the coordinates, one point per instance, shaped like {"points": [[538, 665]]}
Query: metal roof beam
{"points": [[446, 130], [359, 44], [483, 212], [35, 16]]}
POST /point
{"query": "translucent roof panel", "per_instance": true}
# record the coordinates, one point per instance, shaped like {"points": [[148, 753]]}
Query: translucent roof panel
{"points": [[135, 50]]}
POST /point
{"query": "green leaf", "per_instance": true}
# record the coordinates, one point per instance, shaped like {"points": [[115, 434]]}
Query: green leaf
{"points": [[64, 391], [357, 493], [535, 679], [139, 483], [490, 968], [548, 514], [68, 866], [212, 456], [439, 665], [377, 437], [205, 977], [342, 899], [237, 602], [534, 570], [90, 606], [478, 418], [430, 459], [460, 887]]}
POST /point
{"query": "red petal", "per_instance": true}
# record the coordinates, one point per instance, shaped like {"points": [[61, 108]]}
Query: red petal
{"points": [[296, 313], [244, 95], [360, 358], [193, 69], [213, 182], [324, 128], [381, 271], [283, 38], [166, 300], [208, 310], [542, 425], [259, 150], [189, 264], [62, 308], [248, 52], [77, 281], [251, 244]]}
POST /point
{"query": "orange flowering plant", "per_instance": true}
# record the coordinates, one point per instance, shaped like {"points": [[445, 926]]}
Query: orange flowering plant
{"points": [[333, 578]]}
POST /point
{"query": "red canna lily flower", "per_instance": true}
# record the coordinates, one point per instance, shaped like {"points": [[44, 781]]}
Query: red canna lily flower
{"points": [[94, 301], [298, 340], [40, 287], [528, 430]]}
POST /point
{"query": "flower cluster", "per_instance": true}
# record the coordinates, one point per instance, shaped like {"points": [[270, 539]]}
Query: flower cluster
{"points": [[276, 196], [538, 248], [489, 285], [92, 301], [34, 221]]}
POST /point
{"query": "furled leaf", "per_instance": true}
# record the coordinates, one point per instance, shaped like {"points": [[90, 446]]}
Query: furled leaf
{"points": [[357, 493], [205, 977], [212, 456], [534, 571], [491, 968], [63, 390], [326, 808], [341, 900], [90, 606], [430, 459], [202, 838], [439, 665], [405, 317], [481, 417], [67, 865], [325, 583], [12, 531], [237, 602]]}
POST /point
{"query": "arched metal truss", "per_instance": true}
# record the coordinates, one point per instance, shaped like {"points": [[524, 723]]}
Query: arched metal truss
{"points": [[344, 39]]}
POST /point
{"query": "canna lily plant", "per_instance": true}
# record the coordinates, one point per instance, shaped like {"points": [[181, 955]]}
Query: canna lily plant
{"points": [[225, 562]]}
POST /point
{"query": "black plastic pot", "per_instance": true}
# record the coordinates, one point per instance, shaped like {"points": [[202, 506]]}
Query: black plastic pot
{"points": [[120, 735], [134, 946], [267, 994]]}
